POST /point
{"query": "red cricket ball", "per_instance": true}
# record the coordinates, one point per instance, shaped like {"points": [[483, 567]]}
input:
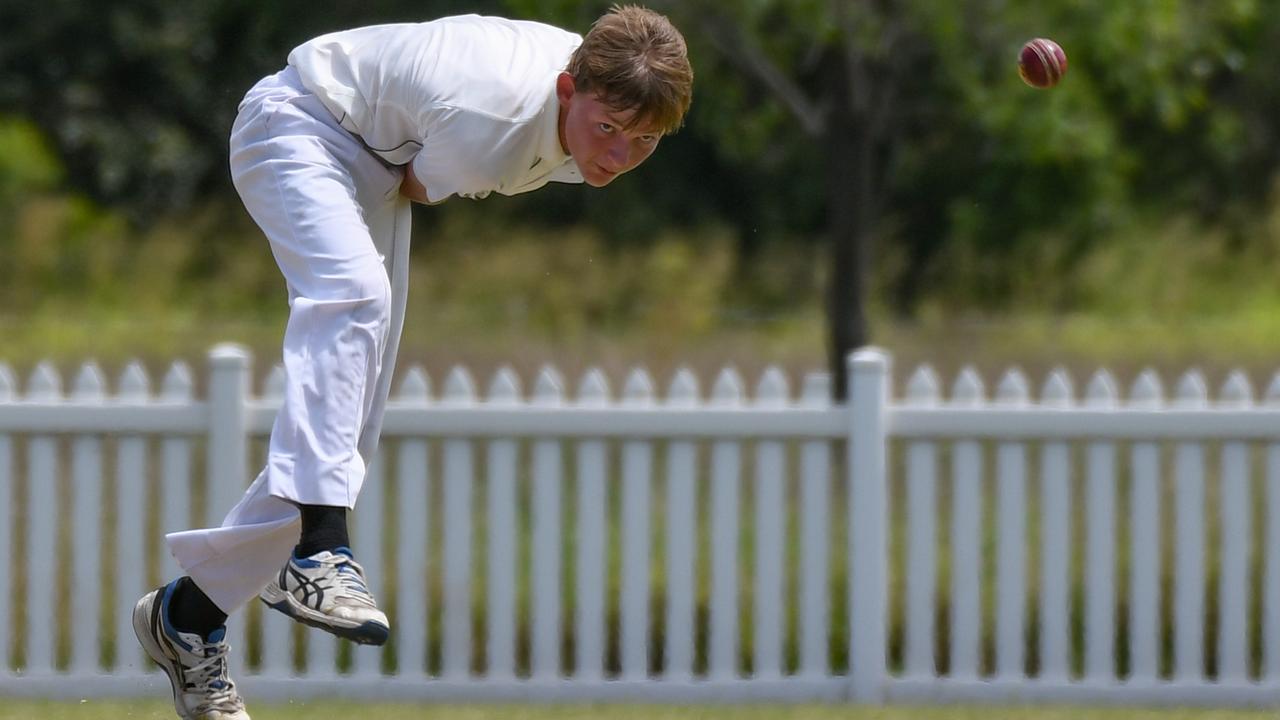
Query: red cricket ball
{"points": [[1042, 63]]}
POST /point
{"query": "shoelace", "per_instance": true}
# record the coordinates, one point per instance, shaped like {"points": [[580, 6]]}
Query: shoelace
{"points": [[350, 580], [209, 678]]}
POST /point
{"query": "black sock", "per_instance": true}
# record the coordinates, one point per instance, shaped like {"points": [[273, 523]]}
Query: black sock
{"points": [[324, 527], [190, 610]]}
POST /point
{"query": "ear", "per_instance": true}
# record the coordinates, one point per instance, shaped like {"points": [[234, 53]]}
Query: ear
{"points": [[565, 89]]}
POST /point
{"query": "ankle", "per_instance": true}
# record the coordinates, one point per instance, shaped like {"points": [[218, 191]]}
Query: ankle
{"points": [[191, 611], [324, 527]]}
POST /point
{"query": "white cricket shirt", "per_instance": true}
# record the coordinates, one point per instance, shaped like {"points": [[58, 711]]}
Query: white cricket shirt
{"points": [[469, 100]]}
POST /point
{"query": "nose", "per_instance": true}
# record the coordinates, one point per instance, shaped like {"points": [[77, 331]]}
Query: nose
{"points": [[619, 154]]}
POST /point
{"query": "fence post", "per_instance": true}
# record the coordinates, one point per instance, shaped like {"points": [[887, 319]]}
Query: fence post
{"points": [[868, 533], [227, 451]]}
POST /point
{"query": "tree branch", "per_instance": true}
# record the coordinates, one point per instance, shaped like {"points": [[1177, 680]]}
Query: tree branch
{"points": [[728, 38]]}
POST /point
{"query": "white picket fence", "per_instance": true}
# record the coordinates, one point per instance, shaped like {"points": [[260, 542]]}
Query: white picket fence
{"points": [[673, 549]]}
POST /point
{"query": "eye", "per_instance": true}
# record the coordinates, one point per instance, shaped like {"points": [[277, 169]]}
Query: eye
{"points": [[648, 139], [605, 128]]}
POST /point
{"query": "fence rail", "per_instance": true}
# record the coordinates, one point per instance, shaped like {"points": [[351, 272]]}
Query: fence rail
{"points": [[640, 546]]}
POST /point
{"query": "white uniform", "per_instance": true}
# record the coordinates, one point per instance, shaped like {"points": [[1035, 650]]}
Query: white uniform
{"points": [[316, 152]]}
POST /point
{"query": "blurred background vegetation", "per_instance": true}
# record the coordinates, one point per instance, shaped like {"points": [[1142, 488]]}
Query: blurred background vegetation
{"points": [[851, 171]]}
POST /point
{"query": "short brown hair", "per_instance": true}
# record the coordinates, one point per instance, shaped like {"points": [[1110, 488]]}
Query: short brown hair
{"points": [[634, 59]]}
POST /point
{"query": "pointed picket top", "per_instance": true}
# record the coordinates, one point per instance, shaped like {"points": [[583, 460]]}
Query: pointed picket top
{"points": [[1192, 391], [1058, 390], [683, 391], [45, 384], [968, 388], [135, 386], [923, 387], [772, 390], [504, 388], [8, 385], [817, 390], [459, 389], [1101, 390], [416, 386], [1236, 391], [177, 384], [89, 383], [1147, 391], [727, 389], [1271, 398], [593, 389], [273, 386], [548, 389], [1013, 389], [638, 389]]}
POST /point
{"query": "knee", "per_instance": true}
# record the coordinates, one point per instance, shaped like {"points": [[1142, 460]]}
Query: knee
{"points": [[365, 294]]}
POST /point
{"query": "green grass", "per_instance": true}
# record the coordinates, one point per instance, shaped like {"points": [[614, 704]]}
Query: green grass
{"points": [[94, 710]]}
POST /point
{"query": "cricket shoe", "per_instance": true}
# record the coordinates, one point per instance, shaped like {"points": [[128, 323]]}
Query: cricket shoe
{"points": [[197, 668], [328, 591]]}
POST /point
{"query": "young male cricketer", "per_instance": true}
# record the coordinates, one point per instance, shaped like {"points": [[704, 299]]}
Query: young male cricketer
{"points": [[326, 155]]}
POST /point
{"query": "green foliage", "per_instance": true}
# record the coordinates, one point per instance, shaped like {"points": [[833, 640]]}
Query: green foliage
{"points": [[994, 198], [139, 96], [26, 161]]}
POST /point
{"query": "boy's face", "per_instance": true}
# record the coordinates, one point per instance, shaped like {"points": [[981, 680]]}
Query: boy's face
{"points": [[592, 133]]}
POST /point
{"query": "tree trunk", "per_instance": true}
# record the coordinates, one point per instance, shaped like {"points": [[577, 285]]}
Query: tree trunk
{"points": [[850, 217]]}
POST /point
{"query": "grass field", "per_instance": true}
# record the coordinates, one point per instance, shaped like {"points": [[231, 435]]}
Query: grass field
{"points": [[94, 710]]}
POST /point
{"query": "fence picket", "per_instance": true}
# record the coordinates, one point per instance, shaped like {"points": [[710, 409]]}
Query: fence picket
{"points": [[966, 539], [131, 513], [175, 469], [922, 520], [637, 482], [504, 391], [815, 543], [42, 530], [547, 584], [682, 546], [227, 452], [321, 652], [459, 477], [1100, 539], [1011, 559], [1233, 585], [366, 537], [1189, 578], [1271, 549], [1144, 541], [277, 628], [1055, 540], [86, 530], [726, 472], [592, 538], [8, 388], [413, 521], [770, 534]]}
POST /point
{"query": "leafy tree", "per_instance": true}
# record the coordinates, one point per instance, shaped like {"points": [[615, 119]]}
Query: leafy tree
{"points": [[900, 129], [139, 95]]}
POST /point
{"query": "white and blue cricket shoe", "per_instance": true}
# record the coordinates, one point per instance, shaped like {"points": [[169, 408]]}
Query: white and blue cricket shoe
{"points": [[197, 668], [328, 591]]}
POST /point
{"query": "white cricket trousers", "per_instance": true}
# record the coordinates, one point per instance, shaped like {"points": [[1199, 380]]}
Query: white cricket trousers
{"points": [[339, 231]]}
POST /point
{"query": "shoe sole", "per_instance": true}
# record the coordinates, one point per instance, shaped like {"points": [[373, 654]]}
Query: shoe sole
{"points": [[143, 617], [366, 633]]}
